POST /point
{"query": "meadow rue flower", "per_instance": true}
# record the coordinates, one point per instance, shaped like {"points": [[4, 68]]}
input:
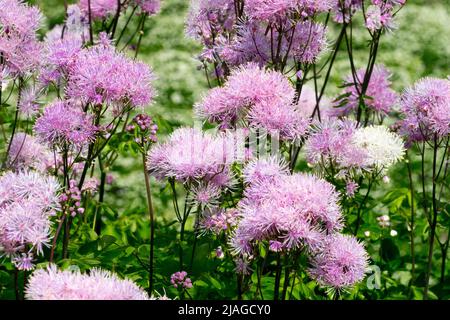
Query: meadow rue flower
{"points": [[19, 46], [205, 196], [307, 103], [393, 233], [330, 144], [296, 210], [343, 10], [192, 155], [29, 186], [29, 104], [150, 7], [98, 8], [269, 10], [351, 188], [380, 97], [209, 18], [181, 280], [27, 153], [308, 41], [63, 124], [341, 263], [60, 57], [54, 284], [261, 97], [353, 150], [101, 75], [218, 220], [425, 109], [262, 169], [27, 201], [250, 44]]}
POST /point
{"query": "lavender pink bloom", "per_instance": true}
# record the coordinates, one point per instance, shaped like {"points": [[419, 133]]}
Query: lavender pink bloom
{"points": [[27, 152], [380, 96], [425, 109], [181, 280], [64, 124], [100, 75], [27, 201], [99, 8], [54, 284], [191, 155], [341, 263], [296, 210], [19, 47]]}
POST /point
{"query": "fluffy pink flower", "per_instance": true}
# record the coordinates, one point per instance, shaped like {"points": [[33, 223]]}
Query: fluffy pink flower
{"points": [[209, 18], [27, 153], [101, 75], [150, 7], [426, 109], [18, 43], [263, 98], [62, 123], [344, 10], [269, 10], [382, 97], [190, 154], [309, 40], [27, 201], [99, 8], [297, 210], [54, 284], [341, 263], [219, 220], [264, 169]]}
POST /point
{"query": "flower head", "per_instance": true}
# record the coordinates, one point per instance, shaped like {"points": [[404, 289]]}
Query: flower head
{"points": [[425, 110], [189, 154], [181, 280], [98, 8], [27, 153], [295, 210], [341, 263], [380, 97], [101, 75], [54, 284], [62, 123]]}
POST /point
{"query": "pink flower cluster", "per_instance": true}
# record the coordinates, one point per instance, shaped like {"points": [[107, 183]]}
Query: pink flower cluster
{"points": [[54, 284], [71, 199], [27, 201], [298, 211], [261, 98], [102, 76], [98, 9], [220, 220], [379, 98], [19, 47], [295, 210], [342, 262], [27, 152], [380, 14], [180, 280], [425, 108], [191, 155], [63, 125], [341, 150]]}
